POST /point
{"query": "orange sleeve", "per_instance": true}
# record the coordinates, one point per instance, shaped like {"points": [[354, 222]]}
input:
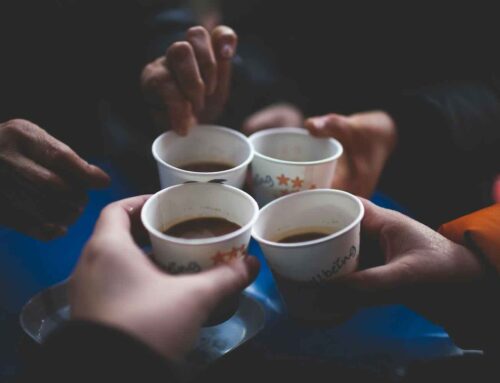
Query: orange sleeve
{"points": [[479, 230]]}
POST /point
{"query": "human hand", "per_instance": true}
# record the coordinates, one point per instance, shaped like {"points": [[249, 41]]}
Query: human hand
{"points": [[44, 182], [191, 82], [116, 284], [368, 139], [273, 116], [417, 267]]}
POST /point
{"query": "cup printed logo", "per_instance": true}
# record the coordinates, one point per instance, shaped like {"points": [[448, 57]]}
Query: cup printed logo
{"points": [[227, 256], [336, 267], [174, 268], [284, 184]]}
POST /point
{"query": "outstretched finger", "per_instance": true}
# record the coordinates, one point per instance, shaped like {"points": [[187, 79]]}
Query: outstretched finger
{"points": [[224, 41], [182, 65], [59, 157], [200, 40]]}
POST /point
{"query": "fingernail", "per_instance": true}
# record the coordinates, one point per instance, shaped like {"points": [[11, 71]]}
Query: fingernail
{"points": [[227, 51], [318, 123]]}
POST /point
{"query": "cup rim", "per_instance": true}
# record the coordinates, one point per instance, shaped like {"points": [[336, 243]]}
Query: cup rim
{"points": [[199, 241], [327, 238], [294, 130], [205, 126]]}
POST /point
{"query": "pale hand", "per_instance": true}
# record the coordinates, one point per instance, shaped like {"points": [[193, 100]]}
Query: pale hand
{"points": [[116, 284]]}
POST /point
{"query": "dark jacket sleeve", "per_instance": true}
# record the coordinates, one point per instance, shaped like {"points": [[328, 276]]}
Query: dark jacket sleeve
{"points": [[475, 325], [90, 352], [448, 150]]}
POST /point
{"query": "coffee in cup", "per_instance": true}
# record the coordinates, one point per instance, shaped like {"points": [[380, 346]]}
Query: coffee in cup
{"points": [[207, 153]]}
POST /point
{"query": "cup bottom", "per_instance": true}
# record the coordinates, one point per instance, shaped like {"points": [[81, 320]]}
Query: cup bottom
{"points": [[224, 311], [309, 303]]}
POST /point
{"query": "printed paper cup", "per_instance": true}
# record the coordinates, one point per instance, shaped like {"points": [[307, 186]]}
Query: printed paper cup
{"points": [[302, 269], [203, 143], [288, 160]]}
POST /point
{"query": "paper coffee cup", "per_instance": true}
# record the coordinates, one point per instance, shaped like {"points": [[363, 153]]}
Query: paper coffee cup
{"points": [[288, 160], [302, 269], [204, 143], [196, 200]]}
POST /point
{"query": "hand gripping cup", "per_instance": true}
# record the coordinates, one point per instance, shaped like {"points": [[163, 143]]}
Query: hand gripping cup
{"points": [[309, 238], [196, 226]]}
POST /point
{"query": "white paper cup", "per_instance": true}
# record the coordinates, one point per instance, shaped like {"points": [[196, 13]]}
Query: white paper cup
{"points": [[203, 143], [194, 200], [302, 269], [288, 160]]}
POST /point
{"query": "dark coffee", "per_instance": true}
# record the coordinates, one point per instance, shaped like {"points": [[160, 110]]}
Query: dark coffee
{"points": [[304, 237], [305, 234], [207, 166], [203, 227]]}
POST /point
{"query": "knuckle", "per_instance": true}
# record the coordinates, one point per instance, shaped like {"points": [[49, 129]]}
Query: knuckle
{"points": [[109, 210], [58, 153], [154, 75], [96, 250], [194, 84], [209, 64], [16, 127], [49, 180], [148, 71], [51, 153], [91, 251], [155, 81]]}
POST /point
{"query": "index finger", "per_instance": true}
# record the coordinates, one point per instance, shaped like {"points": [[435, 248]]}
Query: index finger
{"points": [[57, 156]]}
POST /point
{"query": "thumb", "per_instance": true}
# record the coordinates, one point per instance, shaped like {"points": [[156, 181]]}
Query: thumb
{"points": [[225, 280], [273, 116], [387, 284], [378, 222], [59, 157], [260, 120], [330, 125]]}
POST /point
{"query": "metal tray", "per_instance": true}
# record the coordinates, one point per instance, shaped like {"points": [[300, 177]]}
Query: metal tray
{"points": [[48, 309]]}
